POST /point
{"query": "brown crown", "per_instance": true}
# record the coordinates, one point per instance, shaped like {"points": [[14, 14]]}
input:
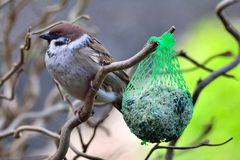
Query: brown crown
{"points": [[68, 30]]}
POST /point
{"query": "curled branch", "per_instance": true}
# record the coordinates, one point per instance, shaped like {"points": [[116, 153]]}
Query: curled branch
{"points": [[80, 154], [35, 115], [85, 146], [65, 138], [227, 24], [185, 55], [220, 7], [14, 82], [172, 147], [209, 59], [16, 133], [18, 65]]}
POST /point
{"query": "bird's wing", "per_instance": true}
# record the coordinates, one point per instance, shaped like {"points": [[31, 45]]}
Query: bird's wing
{"points": [[103, 57]]}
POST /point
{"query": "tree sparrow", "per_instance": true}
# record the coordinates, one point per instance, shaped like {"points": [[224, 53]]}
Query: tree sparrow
{"points": [[74, 57]]}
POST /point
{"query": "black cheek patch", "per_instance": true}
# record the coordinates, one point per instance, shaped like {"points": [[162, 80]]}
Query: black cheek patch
{"points": [[59, 43]]}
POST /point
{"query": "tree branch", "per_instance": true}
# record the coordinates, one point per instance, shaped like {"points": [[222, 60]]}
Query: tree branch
{"points": [[204, 143], [16, 133], [80, 154], [65, 138], [16, 67], [209, 59], [172, 147], [14, 82], [85, 147], [227, 24], [220, 7], [35, 115], [185, 55]]}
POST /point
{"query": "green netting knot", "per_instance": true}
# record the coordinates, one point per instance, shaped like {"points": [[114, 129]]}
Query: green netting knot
{"points": [[157, 105], [166, 40], [144, 142]]}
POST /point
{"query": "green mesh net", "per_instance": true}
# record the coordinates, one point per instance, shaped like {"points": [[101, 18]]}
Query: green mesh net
{"points": [[157, 105]]}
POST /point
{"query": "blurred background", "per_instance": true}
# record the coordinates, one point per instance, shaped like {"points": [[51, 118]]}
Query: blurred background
{"points": [[124, 27]]}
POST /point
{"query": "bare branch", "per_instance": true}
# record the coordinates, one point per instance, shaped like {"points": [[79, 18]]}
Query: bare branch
{"points": [[35, 115], [65, 138], [4, 3], [14, 82], [204, 143], [209, 59], [227, 24], [151, 151], [185, 55], [16, 133], [221, 6], [93, 135], [172, 147], [80, 154], [16, 67], [78, 9]]}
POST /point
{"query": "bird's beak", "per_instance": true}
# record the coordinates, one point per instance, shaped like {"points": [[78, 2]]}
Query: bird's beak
{"points": [[49, 36], [46, 36]]}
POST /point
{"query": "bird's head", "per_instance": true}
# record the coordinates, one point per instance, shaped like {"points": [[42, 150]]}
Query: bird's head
{"points": [[64, 34]]}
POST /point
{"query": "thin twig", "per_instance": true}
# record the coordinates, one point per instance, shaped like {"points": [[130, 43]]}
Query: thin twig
{"points": [[204, 143], [65, 138], [227, 24], [16, 133], [16, 67], [4, 3], [80, 154], [172, 147], [11, 20], [209, 59], [35, 115], [14, 82], [185, 55], [93, 135], [152, 150]]}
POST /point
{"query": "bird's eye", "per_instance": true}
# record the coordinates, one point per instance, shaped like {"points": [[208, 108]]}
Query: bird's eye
{"points": [[59, 43]]}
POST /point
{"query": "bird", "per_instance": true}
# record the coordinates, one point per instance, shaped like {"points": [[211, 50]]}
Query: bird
{"points": [[73, 58]]}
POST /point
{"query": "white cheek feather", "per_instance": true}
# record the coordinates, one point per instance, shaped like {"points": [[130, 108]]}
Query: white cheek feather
{"points": [[56, 49], [80, 42], [57, 54]]}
